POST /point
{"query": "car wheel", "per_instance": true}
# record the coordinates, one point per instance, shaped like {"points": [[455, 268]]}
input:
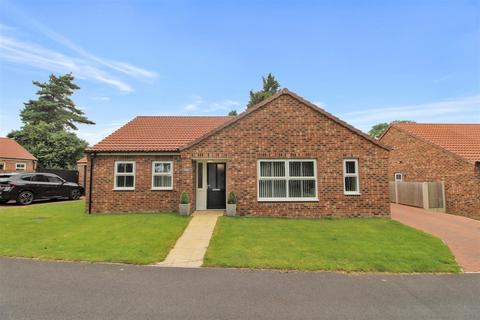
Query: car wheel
{"points": [[25, 198], [75, 194]]}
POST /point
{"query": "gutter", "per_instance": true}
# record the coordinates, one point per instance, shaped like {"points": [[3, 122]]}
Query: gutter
{"points": [[92, 158]]}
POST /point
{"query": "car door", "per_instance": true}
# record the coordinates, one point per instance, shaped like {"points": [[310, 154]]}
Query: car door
{"points": [[40, 186], [55, 187]]}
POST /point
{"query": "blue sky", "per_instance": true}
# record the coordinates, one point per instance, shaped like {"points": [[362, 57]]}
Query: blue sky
{"points": [[364, 61]]}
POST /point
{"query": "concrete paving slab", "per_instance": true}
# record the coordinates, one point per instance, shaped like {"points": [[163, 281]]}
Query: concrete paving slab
{"points": [[191, 247]]}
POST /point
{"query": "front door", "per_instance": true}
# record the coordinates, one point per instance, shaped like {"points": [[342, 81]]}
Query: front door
{"points": [[216, 185]]}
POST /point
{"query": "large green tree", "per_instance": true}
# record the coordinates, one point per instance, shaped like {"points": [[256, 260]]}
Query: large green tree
{"points": [[53, 148], [54, 104], [49, 123], [270, 87], [378, 129]]}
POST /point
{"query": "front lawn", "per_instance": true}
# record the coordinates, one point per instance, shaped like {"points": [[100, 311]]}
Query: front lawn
{"points": [[326, 244], [63, 231]]}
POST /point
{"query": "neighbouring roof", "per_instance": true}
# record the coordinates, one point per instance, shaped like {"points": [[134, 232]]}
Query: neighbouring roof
{"points": [[158, 133], [460, 139], [10, 149], [175, 133], [82, 160]]}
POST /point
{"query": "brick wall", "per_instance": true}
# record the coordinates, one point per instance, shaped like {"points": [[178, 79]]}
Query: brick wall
{"points": [[284, 128], [421, 161], [143, 198], [9, 165], [81, 168]]}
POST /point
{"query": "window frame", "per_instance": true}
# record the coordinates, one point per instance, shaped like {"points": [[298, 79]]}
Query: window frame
{"points": [[161, 174], [21, 163], [116, 174], [395, 176], [356, 174], [287, 178]]}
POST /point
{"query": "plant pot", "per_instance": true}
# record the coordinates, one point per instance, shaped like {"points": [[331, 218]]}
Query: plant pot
{"points": [[231, 210], [184, 209]]}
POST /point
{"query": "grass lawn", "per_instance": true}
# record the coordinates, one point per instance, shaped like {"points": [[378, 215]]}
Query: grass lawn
{"points": [[327, 244], [63, 231]]}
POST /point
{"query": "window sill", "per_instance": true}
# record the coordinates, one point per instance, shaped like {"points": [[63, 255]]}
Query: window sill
{"points": [[289, 200], [161, 189], [123, 189], [352, 194]]}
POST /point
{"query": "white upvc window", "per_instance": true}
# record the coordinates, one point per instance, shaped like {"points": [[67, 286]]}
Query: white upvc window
{"points": [[351, 183], [398, 176], [124, 175], [20, 166], [162, 175], [287, 180]]}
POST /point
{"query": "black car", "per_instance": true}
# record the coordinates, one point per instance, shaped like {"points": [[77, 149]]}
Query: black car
{"points": [[26, 187]]}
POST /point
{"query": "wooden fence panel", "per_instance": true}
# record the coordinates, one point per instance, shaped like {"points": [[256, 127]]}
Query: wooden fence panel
{"points": [[428, 195], [410, 193], [435, 195]]}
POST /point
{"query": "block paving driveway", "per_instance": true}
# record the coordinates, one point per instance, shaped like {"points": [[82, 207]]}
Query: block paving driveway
{"points": [[462, 235]]}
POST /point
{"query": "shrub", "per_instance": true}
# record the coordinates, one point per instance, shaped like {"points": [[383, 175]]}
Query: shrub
{"points": [[232, 198], [184, 199]]}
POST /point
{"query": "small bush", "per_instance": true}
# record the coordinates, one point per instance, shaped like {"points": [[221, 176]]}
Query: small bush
{"points": [[232, 198], [184, 199]]}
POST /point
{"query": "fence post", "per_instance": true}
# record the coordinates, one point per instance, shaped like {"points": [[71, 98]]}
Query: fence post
{"points": [[396, 191], [425, 195], [443, 197]]}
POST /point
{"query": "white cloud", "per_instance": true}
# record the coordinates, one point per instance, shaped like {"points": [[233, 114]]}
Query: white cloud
{"points": [[36, 56], [191, 107], [320, 104], [462, 109], [93, 134], [199, 106], [83, 64], [100, 98]]}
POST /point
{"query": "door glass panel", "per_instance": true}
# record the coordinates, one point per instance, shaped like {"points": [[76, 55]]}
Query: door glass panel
{"points": [[221, 176], [200, 175], [212, 176]]}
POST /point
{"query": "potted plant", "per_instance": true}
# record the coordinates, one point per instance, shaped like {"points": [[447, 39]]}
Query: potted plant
{"points": [[184, 206], [232, 204]]}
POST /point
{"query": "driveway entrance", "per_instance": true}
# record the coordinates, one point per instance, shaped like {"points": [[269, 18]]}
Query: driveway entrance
{"points": [[462, 235]]}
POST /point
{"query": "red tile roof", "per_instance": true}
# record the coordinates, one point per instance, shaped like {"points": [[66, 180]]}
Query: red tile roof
{"points": [[82, 160], [10, 149], [461, 139], [175, 133], [158, 133]]}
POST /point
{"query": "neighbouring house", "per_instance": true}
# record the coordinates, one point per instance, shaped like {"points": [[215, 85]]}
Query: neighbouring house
{"points": [[283, 157], [82, 171], [14, 157], [439, 152]]}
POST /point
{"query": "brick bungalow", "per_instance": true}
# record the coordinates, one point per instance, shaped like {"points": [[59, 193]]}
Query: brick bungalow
{"points": [[439, 152], [14, 157], [282, 157]]}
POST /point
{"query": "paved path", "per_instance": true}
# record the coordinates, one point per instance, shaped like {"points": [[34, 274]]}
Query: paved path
{"points": [[462, 235], [192, 245], [32, 289]]}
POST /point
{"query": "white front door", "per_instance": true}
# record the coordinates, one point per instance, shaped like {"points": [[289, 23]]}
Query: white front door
{"points": [[201, 185]]}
